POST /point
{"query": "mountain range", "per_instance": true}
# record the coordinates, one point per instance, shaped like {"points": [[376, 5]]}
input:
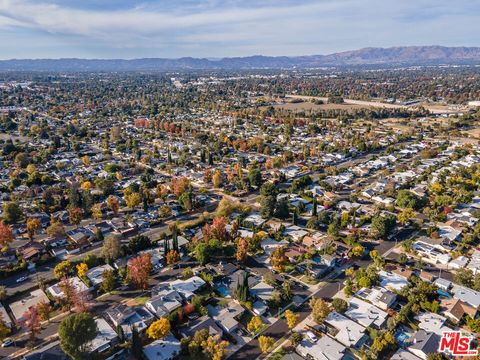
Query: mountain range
{"points": [[394, 56]]}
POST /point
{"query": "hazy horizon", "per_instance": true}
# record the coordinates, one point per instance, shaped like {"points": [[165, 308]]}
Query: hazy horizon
{"points": [[129, 29]]}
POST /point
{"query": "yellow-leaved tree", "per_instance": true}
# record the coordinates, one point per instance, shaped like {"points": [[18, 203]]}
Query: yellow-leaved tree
{"points": [[159, 329]]}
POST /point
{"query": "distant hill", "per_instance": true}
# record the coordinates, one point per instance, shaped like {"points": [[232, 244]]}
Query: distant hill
{"points": [[406, 55]]}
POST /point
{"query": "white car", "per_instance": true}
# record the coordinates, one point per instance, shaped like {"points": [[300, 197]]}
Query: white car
{"points": [[312, 336], [22, 279], [7, 342]]}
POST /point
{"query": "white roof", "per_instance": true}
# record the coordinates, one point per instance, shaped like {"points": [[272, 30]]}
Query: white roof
{"points": [[365, 314], [255, 219], [443, 283], [349, 332], [104, 337], [390, 280], [19, 307], [431, 322], [187, 287], [402, 354], [467, 295], [95, 274], [324, 349], [165, 349], [259, 307], [77, 284], [262, 290]]}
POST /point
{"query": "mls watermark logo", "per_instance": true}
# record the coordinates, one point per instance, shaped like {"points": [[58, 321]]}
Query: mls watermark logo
{"points": [[456, 344]]}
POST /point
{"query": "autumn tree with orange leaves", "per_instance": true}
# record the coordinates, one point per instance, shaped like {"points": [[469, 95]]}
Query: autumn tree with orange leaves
{"points": [[217, 230], [172, 257], [75, 215], [6, 234], [242, 249], [179, 185], [139, 269], [113, 204]]}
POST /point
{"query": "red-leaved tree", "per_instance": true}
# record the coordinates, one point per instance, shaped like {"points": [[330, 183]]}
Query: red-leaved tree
{"points": [[6, 234], [139, 269], [31, 322], [217, 230]]}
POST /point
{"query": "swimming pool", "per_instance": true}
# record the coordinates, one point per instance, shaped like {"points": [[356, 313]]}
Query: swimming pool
{"points": [[443, 293], [222, 290], [401, 337]]}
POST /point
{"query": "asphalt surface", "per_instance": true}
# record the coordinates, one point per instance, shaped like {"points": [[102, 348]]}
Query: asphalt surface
{"points": [[99, 306]]}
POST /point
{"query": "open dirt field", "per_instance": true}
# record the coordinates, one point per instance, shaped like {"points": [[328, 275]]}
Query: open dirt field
{"points": [[475, 132], [359, 103], [399, 124], [308, 106]]}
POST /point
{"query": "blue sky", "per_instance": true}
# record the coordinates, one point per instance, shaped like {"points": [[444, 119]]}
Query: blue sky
{"points": [[220, 28]]}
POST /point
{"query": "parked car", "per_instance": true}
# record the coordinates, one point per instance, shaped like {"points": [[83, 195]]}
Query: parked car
{"points": [[7, 342], [22, 279], [312, 336]]}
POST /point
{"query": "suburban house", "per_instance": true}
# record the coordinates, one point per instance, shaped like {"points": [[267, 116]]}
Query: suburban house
{"points": [[164, 349], [423, 343], [128, 317], [366, 314], [79, 286], [187, 288], [164, 302], [390, 280], [226, 317], [349, 333], [19, 307], [203, 322], [95, 274], [455, 309], [325, 348], [105, 338]]}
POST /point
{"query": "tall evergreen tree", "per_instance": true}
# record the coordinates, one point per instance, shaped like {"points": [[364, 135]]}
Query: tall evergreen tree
{"points": [[166, 247], [314, 211], [175, 238], [243, 291], [295, 216], [136, 344]]}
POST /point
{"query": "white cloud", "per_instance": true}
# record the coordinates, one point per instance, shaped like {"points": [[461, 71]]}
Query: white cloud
{"points": [[234, 27]]}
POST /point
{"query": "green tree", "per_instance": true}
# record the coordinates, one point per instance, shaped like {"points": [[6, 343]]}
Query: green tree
{"points": [[464, 277], [4, 329], [186, 200], [136, 344], [76, 332], [112, 248], [407, 199], [139, 243], [339, 305], [255, 177], [201, 253], [382, 226], [281, 210], [108, 283], [268, 200], [12, 212]]}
